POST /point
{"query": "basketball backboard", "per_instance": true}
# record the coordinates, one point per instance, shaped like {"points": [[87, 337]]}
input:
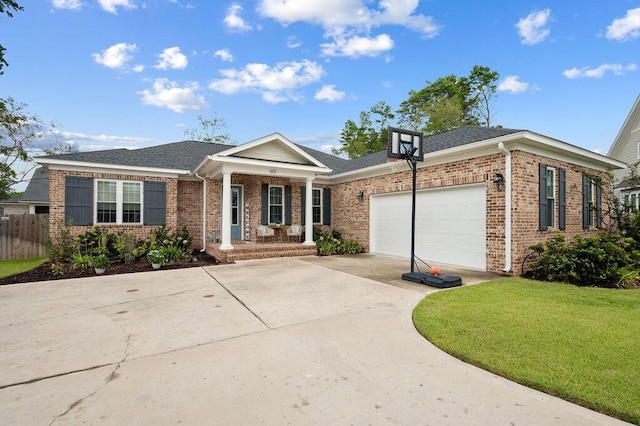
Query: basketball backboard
{"points": [[404, 144]]}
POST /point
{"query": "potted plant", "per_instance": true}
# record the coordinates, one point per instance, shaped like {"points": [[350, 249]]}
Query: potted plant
{"points": [[99, 263], [156, 258]]}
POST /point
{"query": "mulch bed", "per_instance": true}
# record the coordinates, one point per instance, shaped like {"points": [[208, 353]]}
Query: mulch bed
{"points": [[43, 272]]}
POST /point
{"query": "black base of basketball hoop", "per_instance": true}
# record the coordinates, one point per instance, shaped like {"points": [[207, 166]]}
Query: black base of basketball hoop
{"points": [[439, 281]]}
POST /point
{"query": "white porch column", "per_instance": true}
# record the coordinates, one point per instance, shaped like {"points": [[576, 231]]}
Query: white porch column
{"points": [[226, 211], [308, 213]]}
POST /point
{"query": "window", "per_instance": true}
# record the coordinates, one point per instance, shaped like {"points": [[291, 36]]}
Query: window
{"points": [[317, 205], [591, 202], [118, 202], [276, 204], [631, 201], [591, 198], [551, 197]]}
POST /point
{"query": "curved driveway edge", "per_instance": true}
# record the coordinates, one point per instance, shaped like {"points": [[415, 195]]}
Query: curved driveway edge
{"points": [[278, 341]]}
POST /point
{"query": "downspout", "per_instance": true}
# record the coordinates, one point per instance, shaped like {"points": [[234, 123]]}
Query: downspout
{"points": [[507, 209], [204, 212]]}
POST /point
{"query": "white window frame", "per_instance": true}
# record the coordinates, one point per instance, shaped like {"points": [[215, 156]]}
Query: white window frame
{"points": [[638, 145], [119, 202], [271, 222], [551, 198], [316, 206]]}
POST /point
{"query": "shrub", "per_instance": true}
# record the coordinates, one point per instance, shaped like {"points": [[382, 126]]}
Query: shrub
{"points": [[61, 248], [156, 256], [80, 261], [100, 261], [602, 260], [330, 243], [125, 246]]}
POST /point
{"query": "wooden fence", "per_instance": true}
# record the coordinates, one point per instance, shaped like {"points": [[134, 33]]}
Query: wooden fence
{"points": [[23, 236]]}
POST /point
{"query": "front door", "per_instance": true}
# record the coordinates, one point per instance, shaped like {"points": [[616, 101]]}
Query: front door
{"points": [[236, 212]]}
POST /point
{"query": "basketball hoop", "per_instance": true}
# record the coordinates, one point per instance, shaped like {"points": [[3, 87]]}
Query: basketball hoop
{"points": [[407, 145], [404, 144]]}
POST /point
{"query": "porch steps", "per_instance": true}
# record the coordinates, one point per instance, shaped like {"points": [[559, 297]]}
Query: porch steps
{"points": [[249, 251]]}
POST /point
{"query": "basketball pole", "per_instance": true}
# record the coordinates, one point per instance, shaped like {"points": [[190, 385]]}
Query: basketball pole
{"points": [[413, 163]]}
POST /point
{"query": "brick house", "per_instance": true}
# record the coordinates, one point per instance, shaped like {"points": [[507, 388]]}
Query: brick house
{"points": [[484, 195]]}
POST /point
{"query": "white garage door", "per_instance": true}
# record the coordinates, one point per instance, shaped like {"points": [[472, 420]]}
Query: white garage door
{"points": [[450, 225]]}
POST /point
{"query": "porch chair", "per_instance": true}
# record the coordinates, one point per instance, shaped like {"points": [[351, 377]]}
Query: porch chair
{"points": [[264, 231], [294, 231]]}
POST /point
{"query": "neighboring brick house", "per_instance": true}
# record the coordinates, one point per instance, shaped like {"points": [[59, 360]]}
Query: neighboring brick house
{"points": [[463, 218]]}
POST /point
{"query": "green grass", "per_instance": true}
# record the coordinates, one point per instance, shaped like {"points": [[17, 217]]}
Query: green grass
{"points": [[580, 344], [12, 267]]}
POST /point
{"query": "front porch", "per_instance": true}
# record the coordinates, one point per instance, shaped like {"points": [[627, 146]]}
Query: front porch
{"points": [[246, 250]]}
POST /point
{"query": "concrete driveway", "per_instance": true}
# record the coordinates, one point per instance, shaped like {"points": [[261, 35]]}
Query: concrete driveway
{"points": [[280, 341]]}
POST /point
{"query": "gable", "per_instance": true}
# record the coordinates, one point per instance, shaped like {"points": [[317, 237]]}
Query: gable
{"points": [[273, 151]]}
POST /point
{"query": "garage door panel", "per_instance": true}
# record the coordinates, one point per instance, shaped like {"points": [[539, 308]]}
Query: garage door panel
{"points": [[450, 225]]}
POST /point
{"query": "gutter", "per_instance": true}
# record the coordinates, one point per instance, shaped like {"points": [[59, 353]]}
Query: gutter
{"points": [[507, 208], [204, 212]]}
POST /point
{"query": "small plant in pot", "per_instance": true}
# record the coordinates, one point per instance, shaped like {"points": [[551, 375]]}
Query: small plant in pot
{"points": [[156, 258], [99, 263]]}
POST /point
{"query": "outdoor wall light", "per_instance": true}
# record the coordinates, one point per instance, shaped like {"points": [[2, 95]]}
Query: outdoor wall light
{"points": [[498, 180], [360, 196]]}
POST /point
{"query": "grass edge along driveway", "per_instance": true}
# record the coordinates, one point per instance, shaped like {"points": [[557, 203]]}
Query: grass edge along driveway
{"points": [[12, 267], [578, 343]]}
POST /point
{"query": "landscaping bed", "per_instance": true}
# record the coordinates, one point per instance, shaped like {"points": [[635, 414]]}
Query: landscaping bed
{"points": [[44, 272]]}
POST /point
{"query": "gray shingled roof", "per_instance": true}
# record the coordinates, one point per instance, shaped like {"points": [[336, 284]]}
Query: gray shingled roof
{"points": [[449, 139], [38, 188], [185, 155]]}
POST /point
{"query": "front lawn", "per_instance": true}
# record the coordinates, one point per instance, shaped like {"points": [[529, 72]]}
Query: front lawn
{"points": [[581, 344], [12, 267]]}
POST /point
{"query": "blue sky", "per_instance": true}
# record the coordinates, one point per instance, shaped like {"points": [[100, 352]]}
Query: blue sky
{"points": [[134, 73]]}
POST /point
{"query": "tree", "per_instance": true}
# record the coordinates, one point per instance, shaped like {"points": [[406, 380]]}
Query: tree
{"points": [[21, 137], [6, 7], [371, 135], [209, 130], [450, 102]]}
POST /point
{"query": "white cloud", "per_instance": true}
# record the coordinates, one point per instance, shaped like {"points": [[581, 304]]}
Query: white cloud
{"points": [[277, 83], [348, 23], [329, 93], [138, 68], [623, 29], [167, 94], [171, 58], [332, 14], [356, 46], [112, 5], [67, 4], [512, 83], [598, 72], [233, 19], [293, 42], [115, 56], [86, 142], [533, 28], [224, 54]]}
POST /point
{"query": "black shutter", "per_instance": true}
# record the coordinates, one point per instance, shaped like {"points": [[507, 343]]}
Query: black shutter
{"points": [[599, 205], [326, 206], [287, 204], [265, 204], [303, 203], [585, 201], [78, 200], [562, 201], [155, 203], [542, 209]]}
